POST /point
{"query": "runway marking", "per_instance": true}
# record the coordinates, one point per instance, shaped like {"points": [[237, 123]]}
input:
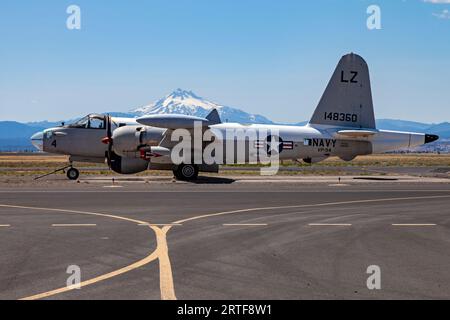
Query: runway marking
{"points": [[245, 224], [74, 225], [414, 224], [330, 225], [222, 191], [5, 225], [307, 206], [165, 268], [160, 224], [75, 212], [153, 256], [161, 253]]}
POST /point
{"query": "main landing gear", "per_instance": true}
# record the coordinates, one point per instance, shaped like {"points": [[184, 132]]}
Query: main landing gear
{"points": [[186, 172]]}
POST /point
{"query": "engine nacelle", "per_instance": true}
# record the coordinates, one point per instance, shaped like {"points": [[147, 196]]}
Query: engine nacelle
{"points": [[125, 165], [131, 138], [349, 150], [314, 160], [348, 158]]}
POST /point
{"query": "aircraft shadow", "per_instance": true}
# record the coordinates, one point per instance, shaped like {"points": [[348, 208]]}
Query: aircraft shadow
{"points": [[212, 180], [375, 179]]}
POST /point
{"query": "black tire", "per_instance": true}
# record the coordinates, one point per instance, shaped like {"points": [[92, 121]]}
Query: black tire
{"points": [[186, 172], [73, 174]]}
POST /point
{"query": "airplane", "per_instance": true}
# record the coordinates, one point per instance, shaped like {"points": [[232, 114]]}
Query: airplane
{"points": [[343, 125]]}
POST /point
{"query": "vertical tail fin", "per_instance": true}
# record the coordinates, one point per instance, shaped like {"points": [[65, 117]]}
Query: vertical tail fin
{"points": [[347, 100]]}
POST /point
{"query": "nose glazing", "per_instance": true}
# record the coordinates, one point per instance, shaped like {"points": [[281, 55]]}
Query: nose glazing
{"points": [[38, 141]]}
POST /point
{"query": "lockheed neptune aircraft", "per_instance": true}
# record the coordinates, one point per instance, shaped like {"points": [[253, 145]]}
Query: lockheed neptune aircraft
{"points": [[342, 125]]}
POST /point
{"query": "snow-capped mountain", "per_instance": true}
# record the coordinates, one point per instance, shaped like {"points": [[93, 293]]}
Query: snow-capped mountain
{"points": [[188, 103]]}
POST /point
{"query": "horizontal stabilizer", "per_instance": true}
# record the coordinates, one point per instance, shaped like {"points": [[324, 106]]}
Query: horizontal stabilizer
{"points": [[357, 133]]}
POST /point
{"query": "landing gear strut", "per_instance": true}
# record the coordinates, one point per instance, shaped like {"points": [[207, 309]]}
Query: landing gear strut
{"points": [[186, 172]]}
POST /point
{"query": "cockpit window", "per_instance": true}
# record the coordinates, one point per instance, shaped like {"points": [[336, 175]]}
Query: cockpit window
{"points": [[82, 123], [90, 122], [97, 123]]}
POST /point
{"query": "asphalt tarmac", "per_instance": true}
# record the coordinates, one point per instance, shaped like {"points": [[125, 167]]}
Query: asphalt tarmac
{"points": [[310, 238]]}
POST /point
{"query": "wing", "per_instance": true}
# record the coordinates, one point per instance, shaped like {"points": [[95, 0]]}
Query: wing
{"points": [[173, 122], [179, 121]]}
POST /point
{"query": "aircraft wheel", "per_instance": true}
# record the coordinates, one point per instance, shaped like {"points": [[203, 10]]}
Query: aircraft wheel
{"points": [[73, 174], [186, 172]]}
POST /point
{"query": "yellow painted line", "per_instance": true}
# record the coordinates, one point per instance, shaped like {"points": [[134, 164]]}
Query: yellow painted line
{"points": [[160, 224], [165, 268], [308, 206], [74, 225], [167, 285], [245, 224], [214, 191], [414, 225], [330, 225], [161, 253], [153, 256], [75, 212]]}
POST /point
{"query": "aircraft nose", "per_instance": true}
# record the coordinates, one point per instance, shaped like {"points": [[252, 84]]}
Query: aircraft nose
{"points": [[431, 138], [38, 141]]}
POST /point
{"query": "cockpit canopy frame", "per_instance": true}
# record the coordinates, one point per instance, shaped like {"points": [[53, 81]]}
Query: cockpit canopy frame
{"points": [[91, 121]]}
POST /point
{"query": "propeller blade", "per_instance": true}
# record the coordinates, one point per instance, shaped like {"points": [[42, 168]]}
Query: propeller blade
{"points": [[108, 140], [108, 123]]}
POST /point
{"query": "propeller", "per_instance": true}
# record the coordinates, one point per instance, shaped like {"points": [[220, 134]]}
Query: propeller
{"points": [[108, 140]]}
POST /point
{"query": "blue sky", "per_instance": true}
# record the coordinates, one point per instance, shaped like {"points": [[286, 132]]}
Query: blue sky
{"points": [[268, 57]]}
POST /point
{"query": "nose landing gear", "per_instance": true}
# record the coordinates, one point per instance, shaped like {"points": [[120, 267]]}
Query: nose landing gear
{"points": [[73, 174]]}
